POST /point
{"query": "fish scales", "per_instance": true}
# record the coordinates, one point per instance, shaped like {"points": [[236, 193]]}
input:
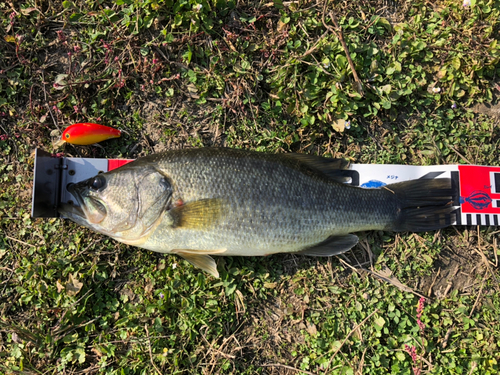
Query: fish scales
{"points": [[205, 201], [271, 204]]}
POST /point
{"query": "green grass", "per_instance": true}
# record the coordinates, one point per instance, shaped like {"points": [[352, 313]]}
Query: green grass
{"points": [[269, 76]]}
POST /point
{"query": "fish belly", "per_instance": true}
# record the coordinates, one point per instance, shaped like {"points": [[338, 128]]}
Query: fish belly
{"points": [[258, 230], [240, 237]]}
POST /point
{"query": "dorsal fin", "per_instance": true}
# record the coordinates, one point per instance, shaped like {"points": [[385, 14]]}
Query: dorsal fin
{"points": [[331, 168]]}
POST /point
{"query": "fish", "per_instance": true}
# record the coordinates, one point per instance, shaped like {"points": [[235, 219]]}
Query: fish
{"points": [[230, 202]]}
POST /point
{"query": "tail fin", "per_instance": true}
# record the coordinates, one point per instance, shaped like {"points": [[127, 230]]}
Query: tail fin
{"points": [[424, 205]]}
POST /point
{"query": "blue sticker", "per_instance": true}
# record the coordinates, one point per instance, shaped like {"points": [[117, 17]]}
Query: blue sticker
{"points": [[373, 184]]}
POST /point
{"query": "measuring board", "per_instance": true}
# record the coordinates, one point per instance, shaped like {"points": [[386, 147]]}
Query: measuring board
{"points": [[476, 188]]}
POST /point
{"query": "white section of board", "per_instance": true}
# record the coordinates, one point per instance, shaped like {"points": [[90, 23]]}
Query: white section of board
{"points": [[392, 173], [79, 169]]}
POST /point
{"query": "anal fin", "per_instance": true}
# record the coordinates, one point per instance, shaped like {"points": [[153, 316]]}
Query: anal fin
{"points": [[202, 261], [332, 246]]}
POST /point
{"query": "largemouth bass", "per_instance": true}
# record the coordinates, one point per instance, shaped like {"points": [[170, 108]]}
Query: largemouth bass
{"points": [[200, 202]]}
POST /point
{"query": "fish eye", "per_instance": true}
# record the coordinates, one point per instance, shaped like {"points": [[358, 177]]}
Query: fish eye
{"points": [[98, 182]]}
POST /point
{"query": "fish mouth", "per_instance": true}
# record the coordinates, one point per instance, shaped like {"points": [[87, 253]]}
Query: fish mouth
{"points": [[72, 212], [85, 213]]}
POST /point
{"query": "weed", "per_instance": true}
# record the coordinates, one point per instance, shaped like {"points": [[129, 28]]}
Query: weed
{"points": [[271, 77]]}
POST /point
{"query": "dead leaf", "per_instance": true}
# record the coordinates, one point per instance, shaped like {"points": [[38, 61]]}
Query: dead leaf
{"points": [[128, 294], [96, 351], [73, 286], [60, 82], [385, 274], [59, 286], [192, 88], [339, 125], [149, 287], [281, 25], [16, 338], [441, 74], [311, 329], [55, 133], [27, 11], [231, 46], [240, 302]]}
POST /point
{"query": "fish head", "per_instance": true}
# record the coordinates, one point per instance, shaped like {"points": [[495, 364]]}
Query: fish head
{"points": [[125, 203]]}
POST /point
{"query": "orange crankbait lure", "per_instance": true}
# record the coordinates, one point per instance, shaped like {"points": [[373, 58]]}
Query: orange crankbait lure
{"points": [[87, 133]]}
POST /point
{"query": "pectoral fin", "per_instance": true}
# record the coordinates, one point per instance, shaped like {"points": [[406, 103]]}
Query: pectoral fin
{"points": [[332, 246], [200, 214], [202, 261]]}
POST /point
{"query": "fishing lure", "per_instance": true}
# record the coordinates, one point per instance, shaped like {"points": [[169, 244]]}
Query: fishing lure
{"points": [[87, 133]]}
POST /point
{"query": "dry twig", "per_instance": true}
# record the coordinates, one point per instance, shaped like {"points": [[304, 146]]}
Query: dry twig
{"points": [[347, 337], [15, 239], [358, 85], [429, 292], [150, 352], [477, 300], [287, 367]]}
